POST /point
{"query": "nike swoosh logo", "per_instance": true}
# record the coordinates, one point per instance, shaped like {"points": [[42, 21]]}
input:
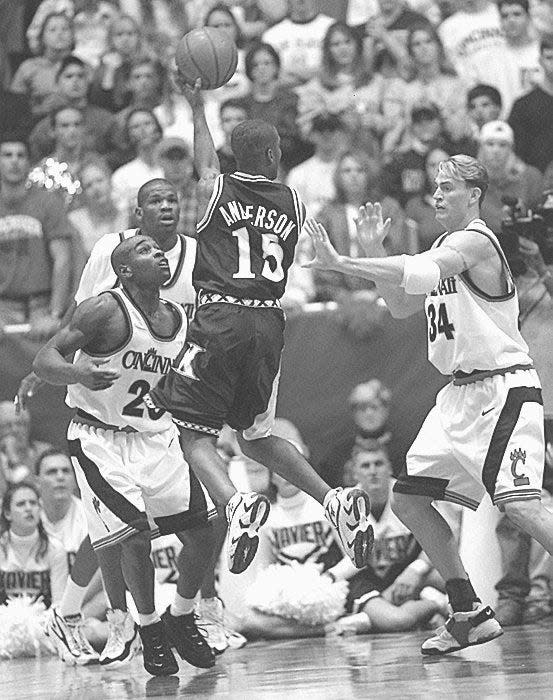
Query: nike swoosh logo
{"points": [[489, 409]]}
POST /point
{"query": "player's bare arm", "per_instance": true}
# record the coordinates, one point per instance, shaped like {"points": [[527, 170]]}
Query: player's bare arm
{"points": [[94, 321]]}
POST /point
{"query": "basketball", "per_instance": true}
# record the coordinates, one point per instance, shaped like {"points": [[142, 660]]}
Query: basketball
{"points": [[209, 54]]}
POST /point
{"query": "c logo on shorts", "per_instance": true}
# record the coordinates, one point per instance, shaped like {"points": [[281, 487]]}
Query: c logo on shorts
{"points": [[517, 456]]}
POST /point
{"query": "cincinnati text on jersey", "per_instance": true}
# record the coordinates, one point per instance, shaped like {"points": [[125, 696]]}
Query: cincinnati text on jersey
{"points": [[147, 361], [445, 286], [270, 220]]}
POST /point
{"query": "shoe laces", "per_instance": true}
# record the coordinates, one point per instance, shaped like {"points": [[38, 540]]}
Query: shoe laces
{"points": [[82, 641], [115, 635]]}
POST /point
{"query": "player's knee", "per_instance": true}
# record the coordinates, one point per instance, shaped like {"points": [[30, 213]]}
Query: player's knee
{"points": [[522, 512], [139, 543]]}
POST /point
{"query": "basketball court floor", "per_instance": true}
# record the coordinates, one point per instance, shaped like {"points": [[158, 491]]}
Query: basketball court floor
{"points": [[517, 665]]}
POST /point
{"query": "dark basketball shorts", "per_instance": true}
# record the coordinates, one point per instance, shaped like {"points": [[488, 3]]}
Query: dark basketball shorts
{"points": [[227, 372]]}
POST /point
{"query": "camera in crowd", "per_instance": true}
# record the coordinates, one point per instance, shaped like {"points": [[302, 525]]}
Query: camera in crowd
{"points": [[535, 225]]}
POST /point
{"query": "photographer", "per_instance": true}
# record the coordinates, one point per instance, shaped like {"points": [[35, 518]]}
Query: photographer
{"points": [[508, 175]]}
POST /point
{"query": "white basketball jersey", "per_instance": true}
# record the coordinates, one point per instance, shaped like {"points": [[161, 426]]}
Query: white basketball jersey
{"points": [[470, 330], [98, 275], [142, 361]]}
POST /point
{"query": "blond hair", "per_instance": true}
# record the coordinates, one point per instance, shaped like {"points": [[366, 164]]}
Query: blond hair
{"points": [[467, 169]]}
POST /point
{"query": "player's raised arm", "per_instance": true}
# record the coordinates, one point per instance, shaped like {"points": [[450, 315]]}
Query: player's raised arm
{"points": [[86, 328]]}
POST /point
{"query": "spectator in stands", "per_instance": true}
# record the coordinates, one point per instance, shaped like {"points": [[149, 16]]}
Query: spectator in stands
{"points": [[420, 210], [25, 548], [91, 22], [405, 175], [433, 80], [233, 112], [18, 452], [484, 104], [36, 77], [508, 175], [124, 44], [97, 213], [370, 405], [298, 40], [314, 178], [143, 133], [474, 42], [274, 103], [356, 182], [35, 249], [176, 161], [71, 91], [220, 17], [532, 115], [520, 62], [386, 596]]}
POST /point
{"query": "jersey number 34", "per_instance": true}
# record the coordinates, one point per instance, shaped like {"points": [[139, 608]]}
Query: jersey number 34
{"points": [[438, 322]]}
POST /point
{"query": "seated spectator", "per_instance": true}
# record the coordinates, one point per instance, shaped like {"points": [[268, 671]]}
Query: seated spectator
{"points": [[18, 452], [143, 133], [298, 40], [484, 104], [356, 182], [405, 175], [508, 175], [233, 112], [71, 91], [274, 103], [389, 595], [433, 80], [91, 22], [109, 83], [314, 178], [163, 21], [175, 159], [532, 115], [35, 249], [36, 77], [31, 562], [97, 213], [369, 404], [420, 210]]}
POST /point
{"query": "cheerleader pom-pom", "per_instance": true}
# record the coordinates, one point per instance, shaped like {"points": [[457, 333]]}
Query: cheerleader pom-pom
{"points": [[22, 624], [298, 592]]}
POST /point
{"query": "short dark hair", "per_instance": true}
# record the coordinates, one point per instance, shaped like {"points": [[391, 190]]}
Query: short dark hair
{"points": [[546, 43], [70, 60], [327, 122], [482, 90], [14, 136], [425, 112], [251, 139], [49, 452], [261, 46], [61, 108], [143, 191], [522, 3]]}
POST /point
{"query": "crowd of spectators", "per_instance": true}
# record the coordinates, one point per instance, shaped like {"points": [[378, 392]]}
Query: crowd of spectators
{"points": [[367, 100]]}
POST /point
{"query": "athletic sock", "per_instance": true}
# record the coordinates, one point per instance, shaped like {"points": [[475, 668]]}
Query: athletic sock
{"points": [[150, 619], [461, 594], [182, 606], [72, 599]]}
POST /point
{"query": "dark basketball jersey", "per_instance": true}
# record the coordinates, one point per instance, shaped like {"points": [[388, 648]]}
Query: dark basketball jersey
{"points": [[247, 237]]}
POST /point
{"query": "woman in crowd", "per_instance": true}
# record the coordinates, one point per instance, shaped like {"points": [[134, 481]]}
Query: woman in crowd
{"points": [[143, 133], [36, 77], [431, 80], [124, 43], [220, 17], [267, 99], [31, 564]]}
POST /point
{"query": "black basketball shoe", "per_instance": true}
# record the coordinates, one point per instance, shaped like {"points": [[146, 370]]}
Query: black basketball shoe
{"points": [[158, 657], [190, 643]]}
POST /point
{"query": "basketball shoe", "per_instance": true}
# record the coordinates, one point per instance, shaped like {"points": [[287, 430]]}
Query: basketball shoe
{"points": [[123, 641], [246, 513], [463, 629], [348, 510], [159, 659], [68, 638], [183, 634], [211, 618]]}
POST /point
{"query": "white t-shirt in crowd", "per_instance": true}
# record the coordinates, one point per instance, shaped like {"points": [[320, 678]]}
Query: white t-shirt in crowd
{"points": [[71, 530]]}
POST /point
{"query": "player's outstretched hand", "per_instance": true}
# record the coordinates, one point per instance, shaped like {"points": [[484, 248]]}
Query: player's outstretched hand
{"points": [[93, 375], [28, 387], [192, 93], [326, 257], [371, 229]]}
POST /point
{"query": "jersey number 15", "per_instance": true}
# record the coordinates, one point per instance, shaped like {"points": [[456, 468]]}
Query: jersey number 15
{"points": [[272, 255]]}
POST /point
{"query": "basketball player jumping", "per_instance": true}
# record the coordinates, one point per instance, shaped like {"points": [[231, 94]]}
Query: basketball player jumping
{"points": [[485, 433], [127, 458], [229, 369]]}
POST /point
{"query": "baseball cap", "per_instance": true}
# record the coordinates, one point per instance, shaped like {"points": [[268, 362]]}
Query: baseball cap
{"points": [[497, 130], [173, 147], [373, 390]]}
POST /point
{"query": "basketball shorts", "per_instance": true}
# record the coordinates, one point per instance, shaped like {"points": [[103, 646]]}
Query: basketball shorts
{"points": [[485, 436], [128, 480], [227, 372]]}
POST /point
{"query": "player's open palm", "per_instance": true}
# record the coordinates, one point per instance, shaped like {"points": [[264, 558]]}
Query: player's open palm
{"points": [[372, 229], [326, 256], [93, 374]]}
